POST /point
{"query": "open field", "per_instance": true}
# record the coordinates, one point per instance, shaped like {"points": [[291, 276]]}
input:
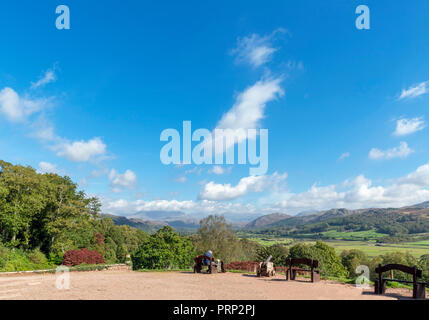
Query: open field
{"points": [[417, 248], [129, 285]]}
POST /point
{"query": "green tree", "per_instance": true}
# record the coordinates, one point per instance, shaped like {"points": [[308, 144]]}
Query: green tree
{"points": [[217, 235], [164, 250], [278, 252], [423, 264], [329, 263], [352, 259]]}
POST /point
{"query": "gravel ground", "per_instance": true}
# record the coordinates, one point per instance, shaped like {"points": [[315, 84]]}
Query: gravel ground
{"points": [[129, 285]]}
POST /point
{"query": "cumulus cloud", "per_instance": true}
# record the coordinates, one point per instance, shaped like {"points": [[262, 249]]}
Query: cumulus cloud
{"points": [[419, 178], [46, 167], [48, 77], [222, 192], [356, 193], [189, 207], [82, 151], [256, 50], [127, 180], [403, 151], [414, 91], [360, 193], [17, 108], [409, 126]]}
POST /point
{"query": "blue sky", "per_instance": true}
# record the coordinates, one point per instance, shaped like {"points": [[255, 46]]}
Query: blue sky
{"points": [[347, 119]]}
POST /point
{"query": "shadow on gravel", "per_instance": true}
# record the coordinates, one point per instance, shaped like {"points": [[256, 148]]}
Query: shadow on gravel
{"points": [[249, 275], [392, 295]]}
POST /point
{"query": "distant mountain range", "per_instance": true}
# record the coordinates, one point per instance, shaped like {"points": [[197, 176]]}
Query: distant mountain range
{"points": [[413, 218], [390, 221], [153, 225]]}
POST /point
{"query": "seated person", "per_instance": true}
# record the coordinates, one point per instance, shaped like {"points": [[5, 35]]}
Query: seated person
{"points": [[206, 261]]}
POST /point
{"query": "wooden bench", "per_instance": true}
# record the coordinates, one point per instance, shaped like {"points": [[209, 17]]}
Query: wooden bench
{"points": [[419, 288], [312, 264]]}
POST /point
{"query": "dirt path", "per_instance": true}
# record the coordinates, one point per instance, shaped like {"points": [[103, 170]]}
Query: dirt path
{"points": [[128, 285]]}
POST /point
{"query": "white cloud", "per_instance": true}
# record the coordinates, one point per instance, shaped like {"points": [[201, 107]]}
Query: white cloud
{"points": [[17, 108], [344, 156], [419, 178], [189, 207], [82, 151], [360, 193], [356, 193], [221, 192], [408, 126], [249, 108], [256, 50], [403, 151], [246, 113], [414, 91], [219, 170], [46, 167], [119, 181], [48, 77]]}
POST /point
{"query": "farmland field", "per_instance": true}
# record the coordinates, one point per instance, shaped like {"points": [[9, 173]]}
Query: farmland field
{"points": [[417, 248]]}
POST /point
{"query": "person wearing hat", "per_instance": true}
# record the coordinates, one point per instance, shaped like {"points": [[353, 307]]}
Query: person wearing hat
{"points": [[208, 254]]}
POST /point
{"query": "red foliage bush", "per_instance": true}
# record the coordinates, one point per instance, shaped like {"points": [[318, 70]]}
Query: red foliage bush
{"points": [[77, 257], [250, 266]]}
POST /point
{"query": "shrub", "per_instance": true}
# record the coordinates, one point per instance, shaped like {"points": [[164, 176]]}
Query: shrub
{"points": [[20, 260], [164, 250], [301, 250], [37, 257], [55, 258], [424, 265], [329, 263], [352, 259], [77, 257], [278, 252]]}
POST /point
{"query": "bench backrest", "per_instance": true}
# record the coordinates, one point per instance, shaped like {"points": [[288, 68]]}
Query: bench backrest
{"points": [[410, 270], [308, 262]]}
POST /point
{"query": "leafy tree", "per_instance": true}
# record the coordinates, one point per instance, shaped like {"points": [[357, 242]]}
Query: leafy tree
{"points": [[278, 252], [164, 250], [352, 259], [301, 250], [248, 250], [217, 235], [423, 264], [329, 263], [47, 211]]}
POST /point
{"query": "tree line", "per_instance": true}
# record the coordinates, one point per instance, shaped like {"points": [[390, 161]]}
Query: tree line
{"points": [[42, 216]]}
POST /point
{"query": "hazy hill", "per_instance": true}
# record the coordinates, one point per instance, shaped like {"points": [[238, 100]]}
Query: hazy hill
{"points": [[153, 225], [266, 220], [147, 226]]}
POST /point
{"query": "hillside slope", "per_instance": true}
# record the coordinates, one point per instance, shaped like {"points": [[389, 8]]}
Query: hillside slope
{"points": [[266, 220]]}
